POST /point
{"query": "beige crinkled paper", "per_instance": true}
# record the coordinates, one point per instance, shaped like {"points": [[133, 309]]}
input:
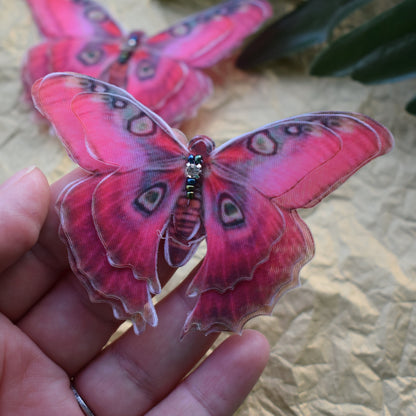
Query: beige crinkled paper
{"points": [[345, 342]]}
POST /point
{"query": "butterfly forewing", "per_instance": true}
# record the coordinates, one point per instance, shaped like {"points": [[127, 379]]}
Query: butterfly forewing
{"points": [[73, 18]]}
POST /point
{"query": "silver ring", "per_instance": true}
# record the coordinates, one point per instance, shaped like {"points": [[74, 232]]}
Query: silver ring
{"points": [[87, 411]]}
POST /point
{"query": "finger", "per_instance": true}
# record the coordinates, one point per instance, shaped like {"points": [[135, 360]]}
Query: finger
{"points": [[24, 200], [37, 270], [29, 380], [221, 383], [144, 369], [68, 327]]}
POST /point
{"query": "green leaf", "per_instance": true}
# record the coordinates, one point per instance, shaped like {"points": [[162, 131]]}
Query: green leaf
{"points": [[350, 52], [411, 106], [311, 23], [392, 62]]}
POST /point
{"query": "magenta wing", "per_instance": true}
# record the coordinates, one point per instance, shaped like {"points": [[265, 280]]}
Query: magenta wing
{"points": [[170, 87], [68, 54], [163, 72], [133, 204], [251, 187], [229, 311], [205, 38], [238, 240], [265, 175], [53, 96], [129, 297], [136, 166], [300, 160], [73, 18]]}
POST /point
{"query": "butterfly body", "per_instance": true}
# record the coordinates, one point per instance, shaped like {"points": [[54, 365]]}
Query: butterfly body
{"points": [[117, 72], [164, 71], [129, 46], [133, 199]]}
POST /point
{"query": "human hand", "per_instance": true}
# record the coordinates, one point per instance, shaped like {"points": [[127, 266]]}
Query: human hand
{"points": [[51, 332]]}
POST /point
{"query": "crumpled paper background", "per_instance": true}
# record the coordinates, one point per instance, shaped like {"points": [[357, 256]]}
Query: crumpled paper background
{"points": [[345, 342]]}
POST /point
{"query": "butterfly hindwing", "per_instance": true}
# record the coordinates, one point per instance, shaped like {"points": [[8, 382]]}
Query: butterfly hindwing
{"points": [[128, 296], [131, 212], [238, 237], [170, 87], [229, 311]]}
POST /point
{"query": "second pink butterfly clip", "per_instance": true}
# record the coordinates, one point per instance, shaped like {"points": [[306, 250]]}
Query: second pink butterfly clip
{"points": [[164, 71]]}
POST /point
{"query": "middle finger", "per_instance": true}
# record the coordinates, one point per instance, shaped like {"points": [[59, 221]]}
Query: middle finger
{"points": [[144, 369], [69, 328]]}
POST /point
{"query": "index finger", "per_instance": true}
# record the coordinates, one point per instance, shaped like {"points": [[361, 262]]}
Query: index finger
{"points": [[32, 257]]}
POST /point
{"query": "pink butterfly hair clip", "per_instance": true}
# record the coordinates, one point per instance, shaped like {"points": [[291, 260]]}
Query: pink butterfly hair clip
{"points": [[144, 189], [162, 71]]}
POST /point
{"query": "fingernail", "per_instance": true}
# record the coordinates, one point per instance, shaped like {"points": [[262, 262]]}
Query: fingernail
{"points": [[18, 176]]}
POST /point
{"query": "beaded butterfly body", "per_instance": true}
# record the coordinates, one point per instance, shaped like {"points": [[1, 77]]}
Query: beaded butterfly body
{"points": [[143, 188], [162, 71]]}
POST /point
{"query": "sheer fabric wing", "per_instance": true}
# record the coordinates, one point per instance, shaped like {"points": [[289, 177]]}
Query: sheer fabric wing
{"points": [[131, 212], [363, 139], [300, 160], [229, 311], [121, 132], [80, 36], [68, 54], [238, 240], [53, 96], [205, 38], [136, 152], [132, 206], [128, 296], [173, 89], [73, 18]]}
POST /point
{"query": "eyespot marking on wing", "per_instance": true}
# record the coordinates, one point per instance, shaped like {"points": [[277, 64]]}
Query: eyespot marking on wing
{"points": [[181, 29], [141, 125], [230, 213], [145, 69], [150, 199], [119, 103], [114, 102], [96, 14], [90, 55], [90, 85], [262, 143], [332, 122]]}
